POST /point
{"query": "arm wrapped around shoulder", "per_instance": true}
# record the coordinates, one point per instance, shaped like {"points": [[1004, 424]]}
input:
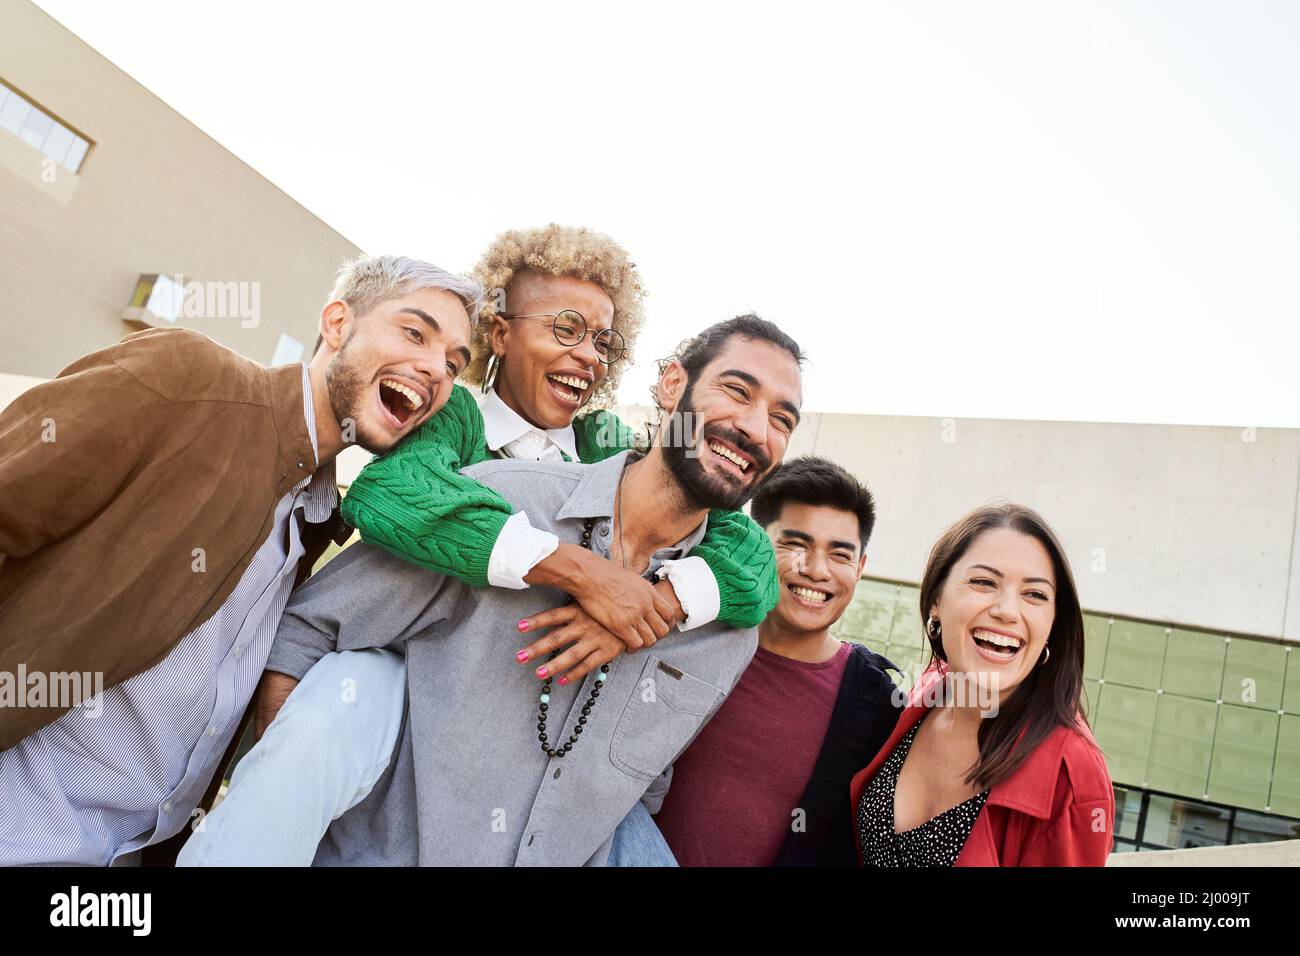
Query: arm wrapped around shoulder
{"points": [[415, 503], [740, 555]]}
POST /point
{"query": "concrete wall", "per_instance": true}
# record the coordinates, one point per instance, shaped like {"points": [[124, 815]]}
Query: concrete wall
{"points": [[155, 195], [1178, 524], [1281, 853]]}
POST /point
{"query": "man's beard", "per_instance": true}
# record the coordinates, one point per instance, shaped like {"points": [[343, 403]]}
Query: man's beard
{"points": [[348, 392], [701, 489]]}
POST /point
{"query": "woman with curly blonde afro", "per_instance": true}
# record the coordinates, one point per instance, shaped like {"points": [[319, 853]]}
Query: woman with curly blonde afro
{"points": [[563, 308], [510, 270]]}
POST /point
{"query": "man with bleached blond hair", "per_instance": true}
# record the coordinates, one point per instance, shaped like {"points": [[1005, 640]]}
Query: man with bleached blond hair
{"points": [[188, 490]]}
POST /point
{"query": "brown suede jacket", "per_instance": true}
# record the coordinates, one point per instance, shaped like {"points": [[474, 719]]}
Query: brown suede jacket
{"points": [[135, 489]]}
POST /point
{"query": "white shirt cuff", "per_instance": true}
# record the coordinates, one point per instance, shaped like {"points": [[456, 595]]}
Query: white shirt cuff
{"points": [[696, 589], [518, 549]]}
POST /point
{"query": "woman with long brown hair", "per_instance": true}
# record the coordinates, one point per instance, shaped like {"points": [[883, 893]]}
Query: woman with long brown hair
{"points": [[992, 762]]}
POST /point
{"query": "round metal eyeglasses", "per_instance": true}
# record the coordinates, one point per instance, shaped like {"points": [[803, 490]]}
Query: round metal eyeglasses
{"points": [[570, 328]]}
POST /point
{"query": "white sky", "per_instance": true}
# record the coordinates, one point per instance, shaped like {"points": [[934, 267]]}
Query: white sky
{"points": [[1069, 211]]}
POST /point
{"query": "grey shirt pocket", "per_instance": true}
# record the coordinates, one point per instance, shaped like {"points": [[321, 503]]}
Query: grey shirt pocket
{"points": [[664, 712]]}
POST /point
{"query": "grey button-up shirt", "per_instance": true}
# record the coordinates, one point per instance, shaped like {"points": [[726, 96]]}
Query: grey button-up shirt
{"points": [[469, 783]]}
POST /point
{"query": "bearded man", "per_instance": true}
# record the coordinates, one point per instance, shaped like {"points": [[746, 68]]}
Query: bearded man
{"points": [[499, 762]]}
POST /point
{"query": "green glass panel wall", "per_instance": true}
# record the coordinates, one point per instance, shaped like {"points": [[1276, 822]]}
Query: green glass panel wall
{"points": [[1253, 674], [871, 615], [906, 628], [1123, 728], [1181, 745], [1291, 693], [1135, 654], [1285, 796], [1095, 629], [1242, 767], [1194, 664], [1091, 695]]}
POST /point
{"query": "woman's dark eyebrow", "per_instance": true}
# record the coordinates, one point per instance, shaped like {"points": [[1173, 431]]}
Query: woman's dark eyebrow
{"points": [[1000, 575]]}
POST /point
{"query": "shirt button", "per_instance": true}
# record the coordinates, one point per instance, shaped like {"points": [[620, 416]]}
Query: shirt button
{"points": [[212, 731], [604, 531], [167, 807], [557, 774], [237, 651], [531, 839]]}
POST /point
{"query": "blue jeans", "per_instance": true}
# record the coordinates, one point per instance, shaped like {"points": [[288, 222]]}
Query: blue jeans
{"points": [[638, 842], [328, 746]]}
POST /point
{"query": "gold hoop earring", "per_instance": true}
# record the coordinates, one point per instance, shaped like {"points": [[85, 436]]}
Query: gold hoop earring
{"points": [[490, 373]]}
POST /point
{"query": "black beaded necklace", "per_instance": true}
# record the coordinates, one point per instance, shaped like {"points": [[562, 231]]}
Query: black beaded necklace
{"points": [[546, 688]]}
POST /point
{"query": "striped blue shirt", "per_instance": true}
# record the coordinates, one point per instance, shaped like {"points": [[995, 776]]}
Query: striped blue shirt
{"points": [[93, 786]]}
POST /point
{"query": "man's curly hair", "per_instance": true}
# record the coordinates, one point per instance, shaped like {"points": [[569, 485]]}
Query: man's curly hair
{"points": [[560, 251]]}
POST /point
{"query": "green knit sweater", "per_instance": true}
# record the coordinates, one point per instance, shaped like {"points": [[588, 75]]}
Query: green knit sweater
{"points": [[414, 502]]}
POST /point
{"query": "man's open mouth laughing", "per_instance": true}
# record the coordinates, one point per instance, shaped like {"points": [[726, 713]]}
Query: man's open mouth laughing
{"points": [[401, 400], [732, 459], [808, 597]]}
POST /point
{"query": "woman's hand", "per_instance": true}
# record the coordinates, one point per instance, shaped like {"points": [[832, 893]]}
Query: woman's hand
{"points": [[589, 645], [626, 605], [592, 644]]}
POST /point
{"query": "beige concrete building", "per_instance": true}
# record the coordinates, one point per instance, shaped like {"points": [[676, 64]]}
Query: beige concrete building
{"points": [[101, 183]]}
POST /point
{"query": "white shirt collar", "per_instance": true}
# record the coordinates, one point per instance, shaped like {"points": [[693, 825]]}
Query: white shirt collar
{"points": [[503, 425]]}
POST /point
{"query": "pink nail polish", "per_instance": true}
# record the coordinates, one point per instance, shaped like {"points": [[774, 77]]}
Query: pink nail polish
{"points": [[541, 672], [522, 625], [521, 656], [564, 680]]}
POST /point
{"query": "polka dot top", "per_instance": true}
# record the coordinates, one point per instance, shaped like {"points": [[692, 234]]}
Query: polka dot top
{"points": [[937, 842]]}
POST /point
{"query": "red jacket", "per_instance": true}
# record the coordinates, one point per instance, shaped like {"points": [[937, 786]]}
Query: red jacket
{"points": [[1057, 809]]}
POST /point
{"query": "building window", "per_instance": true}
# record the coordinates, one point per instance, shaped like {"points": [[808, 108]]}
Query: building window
{"points": [[38, 129], [1148, 820]]}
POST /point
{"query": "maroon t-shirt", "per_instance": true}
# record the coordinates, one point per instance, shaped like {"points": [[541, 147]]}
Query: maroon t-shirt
{"points": [[735, 790]]}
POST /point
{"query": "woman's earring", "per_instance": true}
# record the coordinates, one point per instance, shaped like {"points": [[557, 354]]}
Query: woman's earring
{"points": [[1047, 656], [934, 629], [490, 373]]}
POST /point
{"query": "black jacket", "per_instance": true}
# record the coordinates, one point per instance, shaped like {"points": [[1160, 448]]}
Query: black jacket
{"points": [[866, 710]]}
